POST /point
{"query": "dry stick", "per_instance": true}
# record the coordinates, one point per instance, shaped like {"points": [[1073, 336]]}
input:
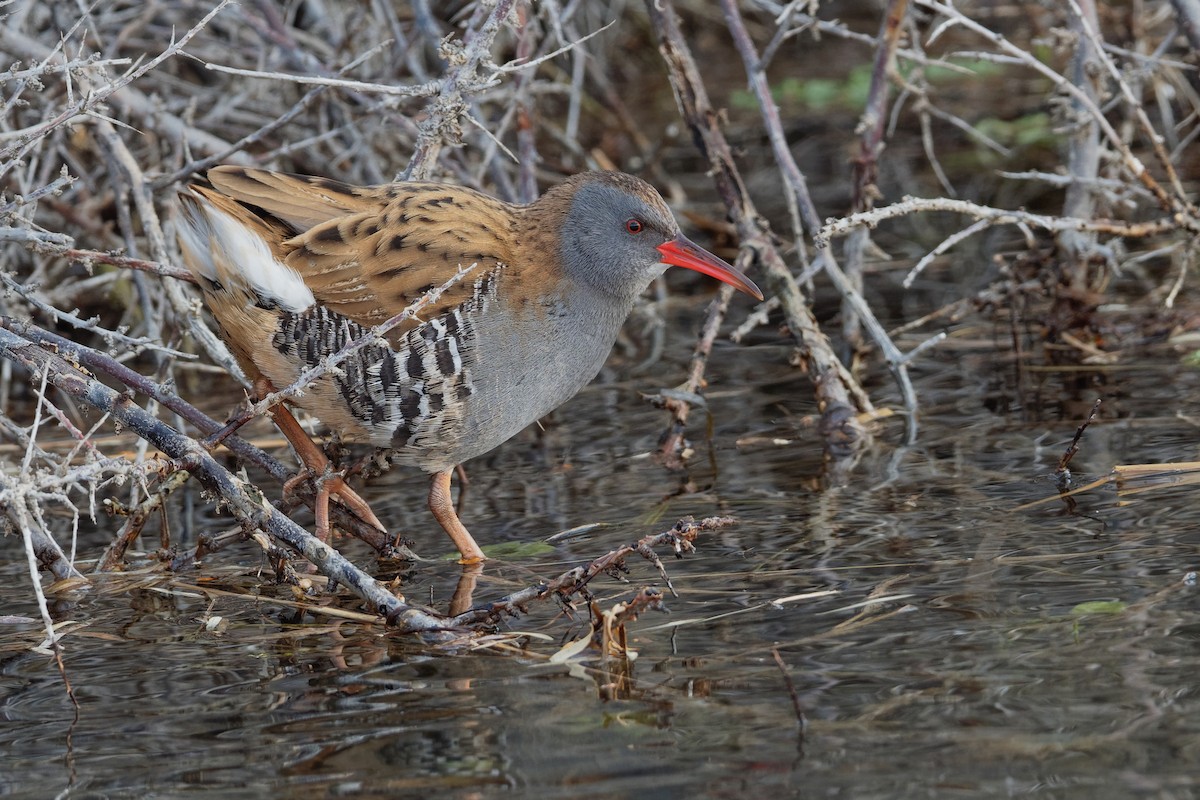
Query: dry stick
{"points": [[870, 144], [992, 216], [118, 92], [1176, 205], [797, 707], [928, 109], [927, 144], [1017, 304], [671, 442], [41, 71], [527, 190], [447, 108], [54, 188], [1189, 20], [1087, 21], [25, 494], [610, 626], [908, 205], [28, 520], [579, 67], [1063, 181], [29, 531], [897, 362], [136, 520], [101, 362], [836, 389], [1062, 475], [1083, 156], [574, 581], [30, 296], [246, 504], [1185, 265], [326, 81], [247, 452], [89, 257], [518, 108]]}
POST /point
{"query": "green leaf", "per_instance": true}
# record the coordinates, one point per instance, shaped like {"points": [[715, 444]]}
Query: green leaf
{"points": [[1099, 607]]}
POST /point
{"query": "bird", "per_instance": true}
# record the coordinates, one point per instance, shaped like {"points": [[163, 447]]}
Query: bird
{"points": [[295, 267]]}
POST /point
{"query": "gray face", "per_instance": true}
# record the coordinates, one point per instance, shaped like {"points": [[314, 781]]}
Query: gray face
{"points": [[611, 237]]}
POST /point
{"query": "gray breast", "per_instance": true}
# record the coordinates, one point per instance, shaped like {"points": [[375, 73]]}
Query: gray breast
{"points": [[466, 381], [528, 363]]}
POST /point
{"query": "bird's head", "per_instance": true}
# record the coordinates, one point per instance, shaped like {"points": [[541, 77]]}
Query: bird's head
{"points": [[618, 235]]}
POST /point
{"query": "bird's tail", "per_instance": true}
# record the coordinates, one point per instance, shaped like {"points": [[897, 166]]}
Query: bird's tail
{"points": [[227, 247]]}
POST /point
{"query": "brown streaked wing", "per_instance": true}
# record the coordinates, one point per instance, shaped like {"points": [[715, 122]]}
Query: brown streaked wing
{"points": [[368, 266], [299, 201]]}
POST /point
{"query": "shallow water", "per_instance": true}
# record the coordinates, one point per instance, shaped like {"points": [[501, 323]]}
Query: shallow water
{"points": [[934, 634]]}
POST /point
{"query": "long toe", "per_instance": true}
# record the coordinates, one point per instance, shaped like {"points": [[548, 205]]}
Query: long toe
{"points": [[354, 502]]}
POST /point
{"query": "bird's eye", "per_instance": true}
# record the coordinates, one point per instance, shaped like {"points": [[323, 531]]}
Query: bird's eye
{"points": [[634, 225]]}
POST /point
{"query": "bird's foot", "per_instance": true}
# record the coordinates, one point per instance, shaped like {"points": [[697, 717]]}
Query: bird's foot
{"points": [[331, 484], [443, 511]]}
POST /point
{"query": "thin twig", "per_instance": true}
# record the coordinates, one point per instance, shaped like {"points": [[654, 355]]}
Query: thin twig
{"points": [[836, 389], [462, 78], [575, 581], [1062, 475], [997, 216], [94, 98], [243, 501], [801, 720]]}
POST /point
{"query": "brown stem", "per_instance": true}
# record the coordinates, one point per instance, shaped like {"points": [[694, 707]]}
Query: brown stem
{"points": [[835, 389], [866, 166], [114, 554], [575, 581], [671, 443], [155, 267]]}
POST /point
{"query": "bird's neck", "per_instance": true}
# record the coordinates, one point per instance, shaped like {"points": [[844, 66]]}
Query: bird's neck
{"points": [[549, 248]]}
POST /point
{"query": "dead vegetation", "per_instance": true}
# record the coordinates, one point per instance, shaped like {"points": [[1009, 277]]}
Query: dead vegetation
{"points": [[110, 109]]}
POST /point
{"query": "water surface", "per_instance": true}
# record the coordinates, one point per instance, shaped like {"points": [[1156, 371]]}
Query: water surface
{"points": [[937, 639]]}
